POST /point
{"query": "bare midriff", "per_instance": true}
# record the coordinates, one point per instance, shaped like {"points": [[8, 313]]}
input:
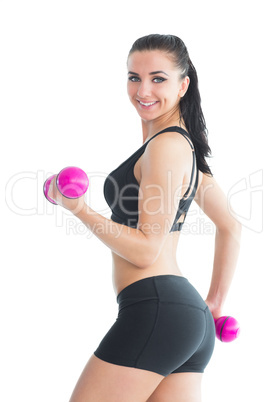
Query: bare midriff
{"points": [[125, 273]]}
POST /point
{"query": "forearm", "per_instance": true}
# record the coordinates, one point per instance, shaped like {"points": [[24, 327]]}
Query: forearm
{"points": [[227, 245], [129, 243]]}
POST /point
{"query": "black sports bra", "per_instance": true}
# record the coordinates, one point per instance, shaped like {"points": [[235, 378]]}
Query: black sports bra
{"points": [[121, 188]]}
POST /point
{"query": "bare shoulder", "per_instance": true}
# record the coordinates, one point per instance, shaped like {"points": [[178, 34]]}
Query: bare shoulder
{"points": [[170, 137], [168, 147]]}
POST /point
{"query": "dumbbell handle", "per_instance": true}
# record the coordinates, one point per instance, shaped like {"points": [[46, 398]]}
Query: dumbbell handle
{"points": [[46, 189]]}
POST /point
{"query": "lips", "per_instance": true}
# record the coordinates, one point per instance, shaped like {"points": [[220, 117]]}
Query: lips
{"points": [[147, 104]]}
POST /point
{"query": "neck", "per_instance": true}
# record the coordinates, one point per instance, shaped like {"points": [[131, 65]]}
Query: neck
{"points": [[151, 127]]}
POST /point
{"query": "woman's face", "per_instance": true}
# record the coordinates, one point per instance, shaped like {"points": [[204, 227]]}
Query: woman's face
{"points": [[154, 84]]}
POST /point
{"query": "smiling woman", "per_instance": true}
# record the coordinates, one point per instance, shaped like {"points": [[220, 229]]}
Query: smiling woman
{"points": [[176, 61], [152, 89], [163, 338]]}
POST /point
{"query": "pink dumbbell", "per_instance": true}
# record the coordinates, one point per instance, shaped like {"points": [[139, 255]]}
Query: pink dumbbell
{"points": [[227, 329], [72, 182]]}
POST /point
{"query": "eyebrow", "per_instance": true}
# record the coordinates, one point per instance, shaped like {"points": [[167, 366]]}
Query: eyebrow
{"points": [[152, 73]]}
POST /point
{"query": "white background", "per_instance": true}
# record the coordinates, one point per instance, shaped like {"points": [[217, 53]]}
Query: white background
{"points": [[64, 102]]}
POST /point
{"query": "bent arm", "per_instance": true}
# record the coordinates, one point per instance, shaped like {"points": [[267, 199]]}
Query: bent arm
{"points": [[129, 243], [162, 172], [214, 203]]}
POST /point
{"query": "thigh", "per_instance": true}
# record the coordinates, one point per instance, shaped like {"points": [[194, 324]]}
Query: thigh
{"points": [[105, 382], [182, 387]]}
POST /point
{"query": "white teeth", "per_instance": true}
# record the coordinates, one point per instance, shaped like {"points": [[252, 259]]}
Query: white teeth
{"points": [[147, 104]]}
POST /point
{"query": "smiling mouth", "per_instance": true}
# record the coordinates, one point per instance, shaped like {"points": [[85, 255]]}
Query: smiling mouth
{"points": [[147, 104]]}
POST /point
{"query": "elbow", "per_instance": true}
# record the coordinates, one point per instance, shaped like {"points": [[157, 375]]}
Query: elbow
{"points": [[146, 257], [147, 250], [238, 230], [145, 260], [233, 227]]}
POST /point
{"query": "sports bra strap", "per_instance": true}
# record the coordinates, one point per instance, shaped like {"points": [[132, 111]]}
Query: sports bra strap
{"points": [[170, 129]]}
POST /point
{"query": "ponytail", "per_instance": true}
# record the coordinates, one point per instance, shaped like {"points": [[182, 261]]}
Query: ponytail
{"points": [[192, 115]]}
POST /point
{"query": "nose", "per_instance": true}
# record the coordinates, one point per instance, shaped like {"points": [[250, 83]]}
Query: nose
{"points": [[144, 90]]}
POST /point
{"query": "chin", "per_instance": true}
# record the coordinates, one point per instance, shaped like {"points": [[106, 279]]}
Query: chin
{"points": [[148, 116]]}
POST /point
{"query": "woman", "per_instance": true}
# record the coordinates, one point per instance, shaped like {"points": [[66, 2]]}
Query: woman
{"points": [[164, 335]]}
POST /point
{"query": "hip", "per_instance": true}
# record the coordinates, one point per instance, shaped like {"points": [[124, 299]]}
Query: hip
{"points": [[163, 325], [166, 289], [124, 273]]}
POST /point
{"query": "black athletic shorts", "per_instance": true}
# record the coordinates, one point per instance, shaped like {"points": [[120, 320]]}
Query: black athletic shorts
{"points": [[163, 325]]}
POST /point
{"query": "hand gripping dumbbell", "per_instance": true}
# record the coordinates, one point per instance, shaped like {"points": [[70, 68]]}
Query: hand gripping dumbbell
{"points": [[227, 328], [72, 182]]}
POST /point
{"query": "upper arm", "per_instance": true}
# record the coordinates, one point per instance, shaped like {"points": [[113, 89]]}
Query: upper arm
{"points": [[212, 200], [162, 171]]}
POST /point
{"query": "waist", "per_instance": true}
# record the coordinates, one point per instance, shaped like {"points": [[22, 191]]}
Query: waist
{"points": [[125, 273], [162, 288]]}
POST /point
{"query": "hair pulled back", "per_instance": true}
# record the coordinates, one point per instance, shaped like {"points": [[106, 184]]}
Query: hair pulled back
{"points": [[190, 103]]}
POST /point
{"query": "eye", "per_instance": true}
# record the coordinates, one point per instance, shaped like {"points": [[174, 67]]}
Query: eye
{"points": [[133, 78], [158, 80]]}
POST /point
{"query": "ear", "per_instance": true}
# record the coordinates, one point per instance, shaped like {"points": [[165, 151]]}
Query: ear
{"points": [[184, 86]]}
